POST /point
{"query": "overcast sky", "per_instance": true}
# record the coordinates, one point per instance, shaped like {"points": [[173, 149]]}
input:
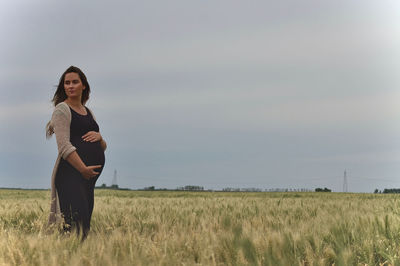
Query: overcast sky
{"points": [[268, 94]]}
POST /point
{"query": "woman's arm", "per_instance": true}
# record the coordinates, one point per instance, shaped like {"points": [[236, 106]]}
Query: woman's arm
{"points": [[61, 125], [86, 171], [103, 144], [66, 150]]}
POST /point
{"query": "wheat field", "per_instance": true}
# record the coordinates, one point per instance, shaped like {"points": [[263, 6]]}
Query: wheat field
{"points": [[207, 228]]}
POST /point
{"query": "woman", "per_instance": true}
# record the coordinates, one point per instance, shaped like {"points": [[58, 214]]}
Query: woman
{"points": [[80, 153]]}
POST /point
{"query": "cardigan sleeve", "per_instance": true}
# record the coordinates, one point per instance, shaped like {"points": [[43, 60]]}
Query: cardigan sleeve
{"points": [[61, 125]]}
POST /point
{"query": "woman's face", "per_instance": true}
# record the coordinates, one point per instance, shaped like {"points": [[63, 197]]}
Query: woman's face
{"points": [[73, 85]]}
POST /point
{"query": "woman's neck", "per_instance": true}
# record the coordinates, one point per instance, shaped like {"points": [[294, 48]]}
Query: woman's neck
{"points": [[74, 102]]}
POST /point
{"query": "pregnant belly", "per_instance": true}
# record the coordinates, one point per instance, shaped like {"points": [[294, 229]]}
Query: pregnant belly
{"points": [[91, 153]]}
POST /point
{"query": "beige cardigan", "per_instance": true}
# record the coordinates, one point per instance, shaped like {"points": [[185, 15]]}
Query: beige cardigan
{"points": [[60, 124]]}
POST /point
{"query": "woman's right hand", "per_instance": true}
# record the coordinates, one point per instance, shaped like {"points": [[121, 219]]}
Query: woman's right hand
{"points": [[88, 172]]}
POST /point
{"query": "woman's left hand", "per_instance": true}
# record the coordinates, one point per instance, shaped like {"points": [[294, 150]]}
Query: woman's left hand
{"points": [[92, 136]]}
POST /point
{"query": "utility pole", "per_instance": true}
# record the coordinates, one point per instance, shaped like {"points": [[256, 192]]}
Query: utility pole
{"points": [[345, 187], [114, 181]]}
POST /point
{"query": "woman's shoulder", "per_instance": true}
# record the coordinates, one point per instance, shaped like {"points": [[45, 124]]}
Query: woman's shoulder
{"points": [[60, 113], [62, 105], [62, 108]]}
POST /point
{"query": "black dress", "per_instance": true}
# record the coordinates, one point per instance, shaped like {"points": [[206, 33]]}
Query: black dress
{"points": [[75, 193]]}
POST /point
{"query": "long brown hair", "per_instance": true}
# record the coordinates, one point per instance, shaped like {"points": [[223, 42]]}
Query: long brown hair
{"points": [[60, 96]]}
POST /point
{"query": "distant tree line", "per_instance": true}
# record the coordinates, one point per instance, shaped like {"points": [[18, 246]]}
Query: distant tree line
{"points": [[323, 190], [110, 187], [227, 189], [288, 190], [154, 188], [191, 188], [388, 190], [185, 188], [231, 189], [104, 186]]}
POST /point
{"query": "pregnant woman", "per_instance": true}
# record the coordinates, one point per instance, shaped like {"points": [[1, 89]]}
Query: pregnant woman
{"points": [[80, 153]]}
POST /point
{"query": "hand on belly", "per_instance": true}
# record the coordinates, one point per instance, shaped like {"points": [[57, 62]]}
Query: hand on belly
{"points": [[92, 136]]}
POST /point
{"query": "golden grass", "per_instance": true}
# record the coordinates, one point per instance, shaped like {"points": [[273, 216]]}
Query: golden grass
{"points": [[207, 228]]}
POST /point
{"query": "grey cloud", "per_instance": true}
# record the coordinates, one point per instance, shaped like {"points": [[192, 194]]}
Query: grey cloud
{"points": [[218, 94]]}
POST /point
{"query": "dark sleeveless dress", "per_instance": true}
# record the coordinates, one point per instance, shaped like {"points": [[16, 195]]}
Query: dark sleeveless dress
{"points": [[75, 193]]}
